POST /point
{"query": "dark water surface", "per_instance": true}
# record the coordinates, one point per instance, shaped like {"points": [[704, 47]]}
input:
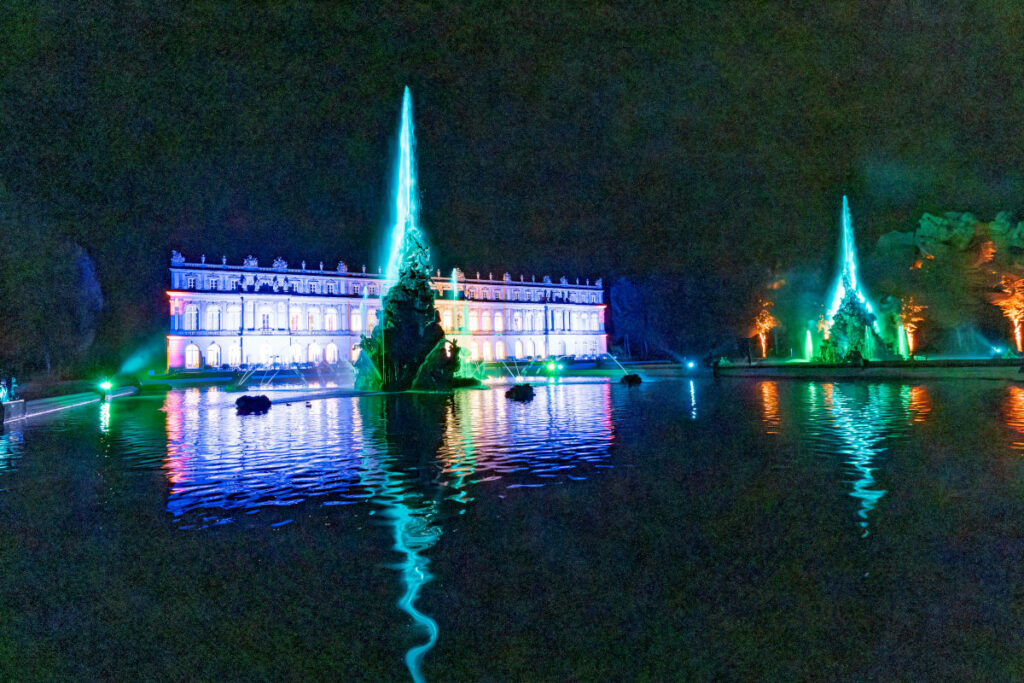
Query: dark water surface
{"points": [[683, 529]]}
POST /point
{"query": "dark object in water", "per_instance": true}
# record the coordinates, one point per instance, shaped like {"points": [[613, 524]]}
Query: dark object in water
{"points": [[520, 392], [631, 380], [252, 405]]}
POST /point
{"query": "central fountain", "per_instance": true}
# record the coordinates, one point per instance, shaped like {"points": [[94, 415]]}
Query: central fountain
{"points": [[407, 349]]}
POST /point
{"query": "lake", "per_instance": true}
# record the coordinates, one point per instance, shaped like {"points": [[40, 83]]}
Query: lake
{"points": [[687, 528]]}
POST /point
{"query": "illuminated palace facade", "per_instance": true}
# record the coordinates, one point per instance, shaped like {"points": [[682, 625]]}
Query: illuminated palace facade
{"points": [[247, 314]]}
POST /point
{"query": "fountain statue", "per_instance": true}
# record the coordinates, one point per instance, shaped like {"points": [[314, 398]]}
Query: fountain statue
{"points": [[407, 349], [851, 330]]}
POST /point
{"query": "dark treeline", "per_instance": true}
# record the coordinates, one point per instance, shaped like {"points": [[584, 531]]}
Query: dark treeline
{"points": [[691, 148]]}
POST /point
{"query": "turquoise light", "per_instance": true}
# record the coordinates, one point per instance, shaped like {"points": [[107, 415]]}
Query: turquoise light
{"points": [[106, 385], [406, 202], [847, 280], [551, 367]]}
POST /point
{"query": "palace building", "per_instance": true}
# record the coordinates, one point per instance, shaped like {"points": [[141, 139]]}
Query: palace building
{"points": [[235, 315]]}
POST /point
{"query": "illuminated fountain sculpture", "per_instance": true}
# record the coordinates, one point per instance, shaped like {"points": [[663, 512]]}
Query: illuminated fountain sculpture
{"points": [[407, 349], [850, 328]]}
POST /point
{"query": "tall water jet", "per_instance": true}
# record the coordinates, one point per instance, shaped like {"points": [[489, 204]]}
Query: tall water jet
{"points": [[851, 328], [406, 205], [407, 347]]}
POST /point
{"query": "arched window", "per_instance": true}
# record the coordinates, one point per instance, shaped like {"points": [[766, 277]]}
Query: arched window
{"points": [[371, 321], [355, 320], [353, 353], [499, 323], [485, 321], [213, 356], [499, 350], [313, 319], [474, 351], [527, 321], [315, 353], [474, 321], [331, 353], [193, 359], [234, 318], [487, 351], [460, 322], [295, 319], [192, 319], [213, 319], [331, 320], [266, 354], [530, 352], [235, 355], [446, 320], [517, 321], [519, 348], [298, 354]]}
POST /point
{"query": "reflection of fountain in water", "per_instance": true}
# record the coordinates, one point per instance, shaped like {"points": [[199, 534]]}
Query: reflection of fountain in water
{"points": [[862, 417]]}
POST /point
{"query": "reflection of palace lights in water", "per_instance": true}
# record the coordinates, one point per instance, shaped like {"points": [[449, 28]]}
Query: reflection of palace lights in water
{"points": [[224, 468]]}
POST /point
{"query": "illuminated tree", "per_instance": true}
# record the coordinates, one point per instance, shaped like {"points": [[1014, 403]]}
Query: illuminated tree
{"points": [[763, 323], [1010, 300], [910, 316]]}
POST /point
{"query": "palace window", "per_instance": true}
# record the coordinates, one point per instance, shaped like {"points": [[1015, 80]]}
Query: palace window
{"points": [[314, 287], [193, 359], [446, 320], [331, 288], [191, 321], [474, 321], [355, 322], [190, 283], [234, 285], [213, 318], [265, 321], [499, 323], [331, 321], [295, 318]]}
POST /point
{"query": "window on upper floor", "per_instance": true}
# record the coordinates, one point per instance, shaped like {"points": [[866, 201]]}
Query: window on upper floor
{"points": [[190, 282], [332, 288], [314, 287]]}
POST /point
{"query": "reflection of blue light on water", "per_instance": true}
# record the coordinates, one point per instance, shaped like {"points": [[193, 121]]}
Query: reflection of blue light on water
{"points": [[693, 401], [105, 417]]}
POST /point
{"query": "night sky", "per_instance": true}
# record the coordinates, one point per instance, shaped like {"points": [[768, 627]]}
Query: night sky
{"points": [[700, 147]]}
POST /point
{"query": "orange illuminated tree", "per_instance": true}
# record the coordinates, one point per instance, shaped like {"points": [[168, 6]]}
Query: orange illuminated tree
{"points": [[910, 316], [1010, 300], [763, 323]]}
